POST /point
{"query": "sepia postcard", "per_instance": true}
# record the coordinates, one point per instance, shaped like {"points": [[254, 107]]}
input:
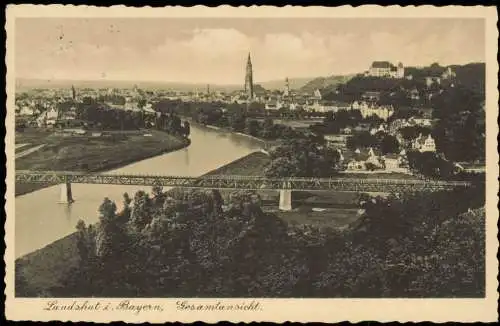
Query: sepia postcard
{"points": [[303, 164]]}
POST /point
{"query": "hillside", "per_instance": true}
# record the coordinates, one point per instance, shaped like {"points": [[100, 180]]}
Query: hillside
{"points": [[324, 82], [295, 83]]}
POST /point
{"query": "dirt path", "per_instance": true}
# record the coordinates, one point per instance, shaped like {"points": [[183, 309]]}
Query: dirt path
{"points": [[22, 145], [29, 151]]}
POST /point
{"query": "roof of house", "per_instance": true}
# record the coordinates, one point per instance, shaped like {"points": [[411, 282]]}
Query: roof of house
{"points": [[363, 154], [391, 156], [382, 64], [376, 93]]}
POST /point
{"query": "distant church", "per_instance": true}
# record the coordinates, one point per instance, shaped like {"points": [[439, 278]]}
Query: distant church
{"points": [[249, 79]]}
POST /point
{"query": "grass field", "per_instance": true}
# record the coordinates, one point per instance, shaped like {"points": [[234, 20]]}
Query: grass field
{"points": [[89, 154], [251, 165]]}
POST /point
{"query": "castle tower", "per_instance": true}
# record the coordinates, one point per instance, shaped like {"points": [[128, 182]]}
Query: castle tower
{"points": [[249, 78]]}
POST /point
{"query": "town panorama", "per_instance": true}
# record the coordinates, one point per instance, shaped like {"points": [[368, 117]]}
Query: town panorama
{"points": [[367, 184]]}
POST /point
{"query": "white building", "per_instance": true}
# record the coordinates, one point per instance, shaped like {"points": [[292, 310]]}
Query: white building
{"points": [[26, 110], [370, 109], [52, 114], [386, 69], [432, 80], [424, 144], [317, 95], [448, 73]]}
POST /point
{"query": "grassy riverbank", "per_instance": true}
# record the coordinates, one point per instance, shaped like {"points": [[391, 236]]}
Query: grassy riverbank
{"points": [[90, 154]]}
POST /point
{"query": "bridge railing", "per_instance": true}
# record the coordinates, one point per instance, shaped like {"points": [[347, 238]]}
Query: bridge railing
{"points": [[238, 181]]}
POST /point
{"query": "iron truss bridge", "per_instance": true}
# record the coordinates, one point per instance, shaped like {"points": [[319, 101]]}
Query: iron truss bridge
{"points": [[242, 182]]}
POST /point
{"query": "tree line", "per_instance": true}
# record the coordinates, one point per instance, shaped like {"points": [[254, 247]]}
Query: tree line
{"points": [[102, 116]]}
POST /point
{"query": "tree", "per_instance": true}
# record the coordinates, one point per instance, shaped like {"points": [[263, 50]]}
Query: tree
{"points": [[362, 140], [267, 131], [430, 164], [109, 232], [141, 211], [186, 129], [237, 121], [460, 130], [303, 157], [252, 127], [389, 144]]}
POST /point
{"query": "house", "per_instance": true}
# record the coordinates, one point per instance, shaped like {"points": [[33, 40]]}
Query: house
{"points": [[41, 119], [424, 122], [75, 131], [52, 114], [397, 124], [317, 95], [391, 162], [335, 140], [272, 105], [429, 81], [346, 131], [371, 96], [26, 111], [414, 94], [363, 160], [424, 144], [381, 128], [70, 115], [370, 109], [448, 74], [425, 112], [395, 163]]}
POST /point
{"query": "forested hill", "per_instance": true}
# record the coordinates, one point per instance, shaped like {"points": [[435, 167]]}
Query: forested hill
{"points": [[324, 83], [471, 75]]}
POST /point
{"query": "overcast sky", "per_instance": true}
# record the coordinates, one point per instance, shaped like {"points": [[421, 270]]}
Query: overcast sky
{"points": [[215, 50]]}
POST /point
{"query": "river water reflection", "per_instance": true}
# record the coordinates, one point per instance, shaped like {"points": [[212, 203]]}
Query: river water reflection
{"points": [[41, 220]]}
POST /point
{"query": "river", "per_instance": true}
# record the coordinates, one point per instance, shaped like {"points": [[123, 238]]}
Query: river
{"points": [[41, 220]]}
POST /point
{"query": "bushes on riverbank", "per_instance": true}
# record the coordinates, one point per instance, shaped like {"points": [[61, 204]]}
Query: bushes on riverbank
{"points": [[189, 244]]}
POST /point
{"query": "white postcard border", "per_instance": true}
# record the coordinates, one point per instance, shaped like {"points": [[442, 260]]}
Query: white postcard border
{"points": [[277, 310]]}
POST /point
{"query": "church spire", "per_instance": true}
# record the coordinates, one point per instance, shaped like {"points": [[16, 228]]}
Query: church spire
{"points": [[249, 78]]}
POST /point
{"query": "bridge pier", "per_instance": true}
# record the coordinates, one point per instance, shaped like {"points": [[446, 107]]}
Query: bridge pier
{"points": [[285, 200], [66, 193]]}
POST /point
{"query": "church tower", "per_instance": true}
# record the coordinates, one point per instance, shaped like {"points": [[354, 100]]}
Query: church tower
{"points": [[73, 92], [249, 78], [287, 88]]}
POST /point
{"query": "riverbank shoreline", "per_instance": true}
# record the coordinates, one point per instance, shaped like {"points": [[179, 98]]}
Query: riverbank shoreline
{"points": [[132, 157], [263, 141]]}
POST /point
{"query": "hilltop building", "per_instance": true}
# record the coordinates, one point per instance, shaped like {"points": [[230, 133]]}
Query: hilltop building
{"points": [[386, 69]]}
